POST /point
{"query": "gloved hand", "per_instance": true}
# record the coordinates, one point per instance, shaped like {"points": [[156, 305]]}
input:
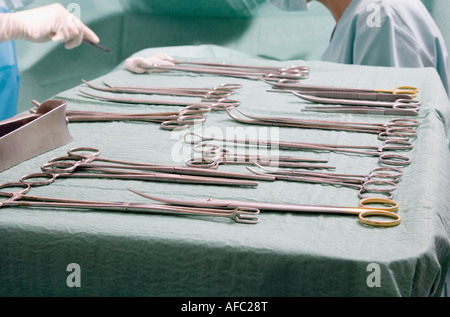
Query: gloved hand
{"points": [[52, 22], [134, 64]]}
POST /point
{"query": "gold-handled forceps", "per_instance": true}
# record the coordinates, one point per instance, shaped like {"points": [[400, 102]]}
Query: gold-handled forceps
{"points": [[364, 211], [351, 93], [16, 196]]}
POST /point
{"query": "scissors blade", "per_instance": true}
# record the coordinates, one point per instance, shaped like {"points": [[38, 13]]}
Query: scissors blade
{"points": [[102, 48], [216, 203]]}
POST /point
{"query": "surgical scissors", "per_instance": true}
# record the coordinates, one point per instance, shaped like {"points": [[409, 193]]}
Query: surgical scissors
{"points": [[379, 93], [364, 212], [393, 129], [86, 159], [213, 155], [381, 180], [219, 104], [19, 198], [207, 94], [378, 151]]}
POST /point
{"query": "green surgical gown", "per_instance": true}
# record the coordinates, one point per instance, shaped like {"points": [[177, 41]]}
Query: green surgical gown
{"points": [[394, 33]]}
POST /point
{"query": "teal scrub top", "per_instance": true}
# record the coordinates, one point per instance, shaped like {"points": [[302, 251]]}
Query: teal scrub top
{"points": [[9, 78], [393, 33]]}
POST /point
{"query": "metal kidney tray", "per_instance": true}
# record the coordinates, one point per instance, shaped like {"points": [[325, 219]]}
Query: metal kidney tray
{"points": [[26, 136]]}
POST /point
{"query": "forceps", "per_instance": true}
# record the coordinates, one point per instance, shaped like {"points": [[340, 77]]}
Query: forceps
{"points": [[304, 69], [378, 151], [40, 179], [19, 198], [214, 155], [219, 104], [365, 110], [169, 121], [380, 180], [246, 73], [85, 159], [369, 96], [393, 129], [181, 119], [379, 93], [398, 107], [364, 212], [46, 178], [207, 94]]}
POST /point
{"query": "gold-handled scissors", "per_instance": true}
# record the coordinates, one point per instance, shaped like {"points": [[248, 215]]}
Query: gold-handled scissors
{"points": [[401, 90], [363, 211], [293, 85]]}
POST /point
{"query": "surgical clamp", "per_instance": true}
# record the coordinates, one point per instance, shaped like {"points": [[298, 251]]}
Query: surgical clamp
{"points": [[393, 129], [207, 94], [182, 119], [219, 104], [246, 73], [403, 107], [385, 159], [214, 155], [86, 159], [380, 180]]}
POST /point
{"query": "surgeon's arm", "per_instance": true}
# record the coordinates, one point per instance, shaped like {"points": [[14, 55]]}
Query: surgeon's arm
{"points": [[388, 46], [52, 22]]}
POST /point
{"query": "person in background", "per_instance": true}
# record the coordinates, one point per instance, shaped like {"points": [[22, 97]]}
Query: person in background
{"points": [[48, 23], [392, 33]]}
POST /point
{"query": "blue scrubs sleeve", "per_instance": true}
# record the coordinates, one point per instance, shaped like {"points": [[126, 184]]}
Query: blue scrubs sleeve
{"points": [[9, 79]]}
